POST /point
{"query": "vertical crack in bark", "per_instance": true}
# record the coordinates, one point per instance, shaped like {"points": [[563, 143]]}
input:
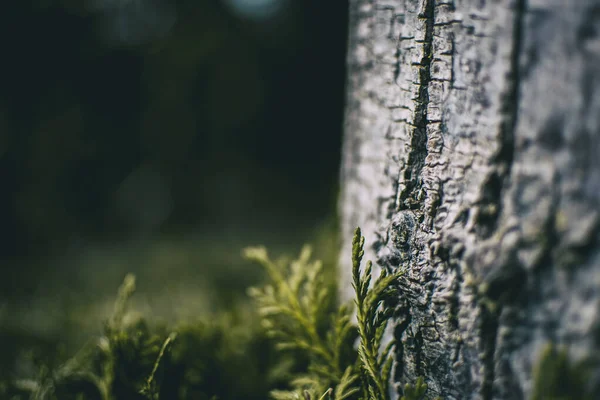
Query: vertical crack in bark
{"points": [[489, 329], [510, 106], [418, 144], [403, 321], [494, 188], [419, 367], [396, 65], [454, 301]]}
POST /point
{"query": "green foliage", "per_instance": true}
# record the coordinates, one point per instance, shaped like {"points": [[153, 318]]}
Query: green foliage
{"points": [[150, 389], [295, 342], [556, 378], [372, 316], [298, 312], [416, 391], [133, 360], [116, 363]]}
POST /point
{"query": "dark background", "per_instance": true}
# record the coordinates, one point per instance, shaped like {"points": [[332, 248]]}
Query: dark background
{"points": [[160, 137]]}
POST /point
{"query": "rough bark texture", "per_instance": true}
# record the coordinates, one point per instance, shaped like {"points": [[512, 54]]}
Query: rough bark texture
{"points": [[472, 159]]}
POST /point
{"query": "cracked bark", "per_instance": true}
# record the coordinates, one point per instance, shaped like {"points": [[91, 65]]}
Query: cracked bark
{"points": [[472, 159]]}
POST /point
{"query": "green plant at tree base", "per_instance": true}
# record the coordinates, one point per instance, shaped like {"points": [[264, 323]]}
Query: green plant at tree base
{"points": [[557, 378], [299, 312], [239, 354], [228, 358], [416, 391]]}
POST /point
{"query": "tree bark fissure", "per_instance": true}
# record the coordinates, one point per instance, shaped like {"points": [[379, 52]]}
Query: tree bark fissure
{"points": [[408, 197], [493, 190], [470, 160]]}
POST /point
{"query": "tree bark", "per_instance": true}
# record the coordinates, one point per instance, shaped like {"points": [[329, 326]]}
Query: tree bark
{"points": [[472, 159]]}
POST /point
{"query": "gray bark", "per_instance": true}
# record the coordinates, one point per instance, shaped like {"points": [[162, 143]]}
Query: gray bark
{"points": [[472, 159]]}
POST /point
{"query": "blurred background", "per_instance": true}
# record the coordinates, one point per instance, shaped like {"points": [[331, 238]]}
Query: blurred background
{"points": [[160, 137]]}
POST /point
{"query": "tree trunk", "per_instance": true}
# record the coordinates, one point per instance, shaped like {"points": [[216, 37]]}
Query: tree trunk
{"points": [[472, 159]]}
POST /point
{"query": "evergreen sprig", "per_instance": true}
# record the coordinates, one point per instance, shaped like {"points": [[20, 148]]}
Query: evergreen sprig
{"points": [[113, 363], [372, 317], [293, 307], [416, 391], [298, 310]]}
